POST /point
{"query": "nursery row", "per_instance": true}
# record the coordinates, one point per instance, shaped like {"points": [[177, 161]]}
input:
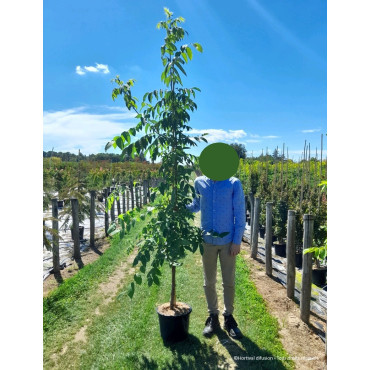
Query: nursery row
{"points": [[72, 214], [288, 250], [299, 186], [83, 176]]}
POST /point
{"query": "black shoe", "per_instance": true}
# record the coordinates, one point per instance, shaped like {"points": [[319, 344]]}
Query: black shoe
{"points": [[231, 327], [212, 325]]}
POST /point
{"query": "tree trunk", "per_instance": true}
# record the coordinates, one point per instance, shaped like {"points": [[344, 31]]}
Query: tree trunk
{"points": [[173, 289]]}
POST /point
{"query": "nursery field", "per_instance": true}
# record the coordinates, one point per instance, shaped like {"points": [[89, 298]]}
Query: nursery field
{"points": [[146, 244], [124, 333], [87, 324]]}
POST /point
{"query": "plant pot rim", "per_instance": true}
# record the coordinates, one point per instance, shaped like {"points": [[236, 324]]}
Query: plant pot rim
{"points": [[321, 268], [190, 309]]}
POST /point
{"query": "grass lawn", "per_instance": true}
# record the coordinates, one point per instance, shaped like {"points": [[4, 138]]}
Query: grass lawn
{"points": [[126, 334]]}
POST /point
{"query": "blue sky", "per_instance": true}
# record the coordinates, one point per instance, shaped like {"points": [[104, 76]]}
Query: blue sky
{"points": [[262, 73]]}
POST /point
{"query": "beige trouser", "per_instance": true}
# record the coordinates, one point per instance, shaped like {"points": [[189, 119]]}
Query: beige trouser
{"points": [[209, 257]]}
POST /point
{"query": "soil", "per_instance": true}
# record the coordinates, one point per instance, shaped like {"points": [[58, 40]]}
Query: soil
{"points": [[88, 256], [299, 339], [179, 309]]}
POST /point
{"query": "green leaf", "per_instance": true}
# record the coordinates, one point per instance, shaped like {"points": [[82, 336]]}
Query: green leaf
{"points": [[189, 52], [180, 67], [198, 46], [131, 290], [108, 145], [155, 280], [138, 279], [127, 137], [111, 228]]}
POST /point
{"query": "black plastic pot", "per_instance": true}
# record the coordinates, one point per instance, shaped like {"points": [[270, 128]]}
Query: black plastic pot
{"points": [[100, 198], [174, 328], [319, 277], [60, 203], [298, 260], [280, 249], [80, 231], [262, 231]]}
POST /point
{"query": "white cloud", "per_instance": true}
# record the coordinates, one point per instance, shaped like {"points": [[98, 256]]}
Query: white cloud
{"points": [[310, 131], [217, 135], [79, 70], [102, 68], [264, 137], [82, 128]]}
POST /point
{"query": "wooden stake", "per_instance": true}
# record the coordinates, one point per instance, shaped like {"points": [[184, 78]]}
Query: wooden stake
{"points": [[305, 303], [106, 217], [132, 194], [112, 216], [55, 223], [123, 198], [118, 206], [92, 218], [268, 238], [291, 254], [251, 201], [256, 226], [76, 233]]}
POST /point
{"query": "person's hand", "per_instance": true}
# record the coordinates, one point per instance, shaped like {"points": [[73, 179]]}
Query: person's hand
{"points": [[234, 249]]}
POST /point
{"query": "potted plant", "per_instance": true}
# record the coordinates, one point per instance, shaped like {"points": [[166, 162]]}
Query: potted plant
{"points": [[280, 227], [299, 238], [263, 220], [319, 269], [164, 114]]}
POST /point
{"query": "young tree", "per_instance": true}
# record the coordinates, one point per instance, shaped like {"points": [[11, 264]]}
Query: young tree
{"points": [[164, 114]]}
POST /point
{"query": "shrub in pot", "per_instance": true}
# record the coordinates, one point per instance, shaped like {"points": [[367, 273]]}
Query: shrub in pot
{"points": [[262, 231], [299, 238], [263, 219], [319, 269], [169, 235], [280, 215]]}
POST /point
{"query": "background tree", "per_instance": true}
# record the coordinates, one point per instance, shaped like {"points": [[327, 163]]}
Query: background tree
{"points": [[240, 149]]}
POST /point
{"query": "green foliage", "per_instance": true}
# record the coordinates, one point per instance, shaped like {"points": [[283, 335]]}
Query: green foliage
{"points": [[240, 149], [164, 114], [76, 187], [319, 252], [280, 216]]}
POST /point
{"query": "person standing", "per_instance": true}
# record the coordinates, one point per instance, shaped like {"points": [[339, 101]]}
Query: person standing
{"points": [[222, 207]]}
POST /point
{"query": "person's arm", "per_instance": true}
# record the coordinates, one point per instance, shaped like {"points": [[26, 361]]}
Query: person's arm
{"points": [[239, 212], [195, 205]]}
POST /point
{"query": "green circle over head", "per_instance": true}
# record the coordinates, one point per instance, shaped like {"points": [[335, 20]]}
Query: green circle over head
{"points": [[219, 161]]}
